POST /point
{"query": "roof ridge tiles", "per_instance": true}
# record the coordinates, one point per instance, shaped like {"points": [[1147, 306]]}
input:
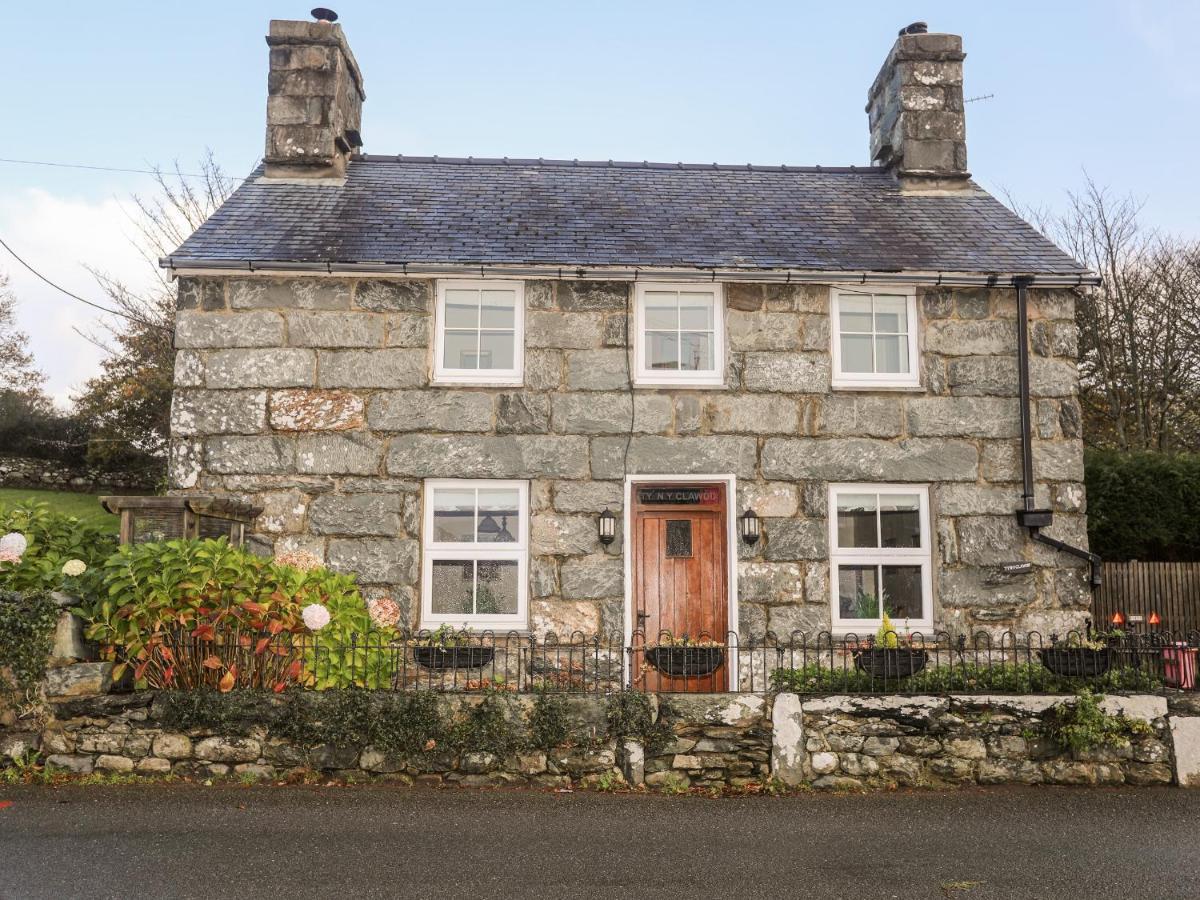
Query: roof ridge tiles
{"points": [[612, 164]]}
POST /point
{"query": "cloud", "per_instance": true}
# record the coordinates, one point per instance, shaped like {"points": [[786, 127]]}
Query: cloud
{"points": [[59, 236]]}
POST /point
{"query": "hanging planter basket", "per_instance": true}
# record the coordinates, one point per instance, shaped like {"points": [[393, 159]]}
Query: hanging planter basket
{"points": [[1077, 662], [679, 662], [453, 657], [890, 662]]}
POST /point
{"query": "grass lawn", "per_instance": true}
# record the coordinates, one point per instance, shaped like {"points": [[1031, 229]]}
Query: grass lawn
{"points": [[85, 506]]}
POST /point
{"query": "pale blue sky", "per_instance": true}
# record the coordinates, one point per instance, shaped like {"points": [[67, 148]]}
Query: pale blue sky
{"points": [[1104, 85]]}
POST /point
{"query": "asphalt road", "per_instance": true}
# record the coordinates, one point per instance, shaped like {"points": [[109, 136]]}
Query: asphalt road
{"points": [[377, 841]]}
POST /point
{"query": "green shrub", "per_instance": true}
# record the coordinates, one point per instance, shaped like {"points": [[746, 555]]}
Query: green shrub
{"points": [[26, 635], [1083, 725], [408, 725], [1142, 505], [486, 727], [53, 540], [242, 616], [631, 715], [964, 678], [549, 725]]}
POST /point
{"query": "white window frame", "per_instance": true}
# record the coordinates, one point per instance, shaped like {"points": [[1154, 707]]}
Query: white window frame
{"points": [[441, 550], [643, 376], [446, 375], [868, 380], [906, 556]]}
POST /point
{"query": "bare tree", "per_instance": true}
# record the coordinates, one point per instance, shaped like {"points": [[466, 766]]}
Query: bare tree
{"points": [[1139, 353], [128, 405]]}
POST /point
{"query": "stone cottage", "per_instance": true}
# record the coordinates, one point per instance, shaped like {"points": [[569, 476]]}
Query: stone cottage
{"points": [[566, 396]]}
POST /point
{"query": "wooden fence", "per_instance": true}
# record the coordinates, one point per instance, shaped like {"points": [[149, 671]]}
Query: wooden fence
{"points": [[1170, 589]]}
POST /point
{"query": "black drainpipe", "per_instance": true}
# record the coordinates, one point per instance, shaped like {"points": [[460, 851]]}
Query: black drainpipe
{"points": [[1028, 516]]}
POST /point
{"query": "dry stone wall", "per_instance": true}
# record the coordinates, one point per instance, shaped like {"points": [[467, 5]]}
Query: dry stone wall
{"points": [[710, 741], [311, 396]]}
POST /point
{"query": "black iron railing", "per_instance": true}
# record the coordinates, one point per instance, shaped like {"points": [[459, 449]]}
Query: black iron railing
{"points": [[804, 663]]}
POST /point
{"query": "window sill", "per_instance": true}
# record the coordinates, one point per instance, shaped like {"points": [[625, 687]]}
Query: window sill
{"points": [[697, 385], [862, 387], [444, 381]]}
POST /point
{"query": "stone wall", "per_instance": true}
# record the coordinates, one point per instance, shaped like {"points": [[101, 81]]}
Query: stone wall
{"points": [[49, 474], [714, 741], [311, 396]]}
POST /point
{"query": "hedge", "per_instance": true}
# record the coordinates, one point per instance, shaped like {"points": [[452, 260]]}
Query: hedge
{"points": [[1143, 505]]}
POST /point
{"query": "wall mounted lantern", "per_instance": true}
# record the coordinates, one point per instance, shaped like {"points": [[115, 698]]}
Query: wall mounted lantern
{"points": [[607, 525], [749, 526]]}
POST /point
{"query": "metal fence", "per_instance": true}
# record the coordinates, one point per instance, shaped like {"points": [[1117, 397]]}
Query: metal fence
{"points": [[804, 663], [1149, 595]]}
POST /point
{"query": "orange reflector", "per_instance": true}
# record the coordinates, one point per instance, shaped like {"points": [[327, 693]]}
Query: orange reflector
{"points": [[1117, 618], [1154, 619]]}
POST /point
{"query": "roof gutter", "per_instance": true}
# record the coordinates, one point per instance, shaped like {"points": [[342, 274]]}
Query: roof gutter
{"points": [[1028, 516], [189, 266]]}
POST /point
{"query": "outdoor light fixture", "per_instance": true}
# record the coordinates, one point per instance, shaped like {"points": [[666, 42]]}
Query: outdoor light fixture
{"points": [[1155, 619], [749, 526], [608, 526], [1117, 618]]}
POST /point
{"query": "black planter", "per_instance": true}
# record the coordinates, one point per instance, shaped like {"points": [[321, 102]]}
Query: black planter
{"points": [[890, 662], [1077, 662], [453, 657], [683, 661]]}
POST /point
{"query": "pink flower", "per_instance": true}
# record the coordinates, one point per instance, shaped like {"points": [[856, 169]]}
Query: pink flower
{"points": [[9, 556], [315, 616], [384, 611]]}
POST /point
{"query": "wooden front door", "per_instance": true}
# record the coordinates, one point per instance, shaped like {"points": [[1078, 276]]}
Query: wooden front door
{"points": [[680, 585]]}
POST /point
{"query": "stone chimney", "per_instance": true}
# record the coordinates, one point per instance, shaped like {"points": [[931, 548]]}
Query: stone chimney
{"points": [[314, 99], [915, 108]]}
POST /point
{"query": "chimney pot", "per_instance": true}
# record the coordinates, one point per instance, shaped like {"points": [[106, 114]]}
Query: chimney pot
{"points": [[914, 28], [321, 14]]}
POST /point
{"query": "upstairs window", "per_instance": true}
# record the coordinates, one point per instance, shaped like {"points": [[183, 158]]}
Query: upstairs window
{"points": [[480, 332], [680, 337], [475, 554], [880, 557], [875, 338]]}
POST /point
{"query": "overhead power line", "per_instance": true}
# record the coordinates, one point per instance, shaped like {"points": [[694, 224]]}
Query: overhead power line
{"points": [[63, 290], [62, 165]]}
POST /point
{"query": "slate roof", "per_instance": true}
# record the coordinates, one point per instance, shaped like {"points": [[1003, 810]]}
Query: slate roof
{"points": [[541, 212]]}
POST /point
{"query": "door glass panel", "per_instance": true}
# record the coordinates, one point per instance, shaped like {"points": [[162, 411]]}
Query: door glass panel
{"points": [[453, 515], [679, 538], [900, 520], [452, 586], [496, 590], [856, 525], [902, 592], [858, 597]]}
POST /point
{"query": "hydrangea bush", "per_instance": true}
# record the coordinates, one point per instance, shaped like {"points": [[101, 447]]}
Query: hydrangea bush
{"points": [[42, 550], [183, 614]]}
